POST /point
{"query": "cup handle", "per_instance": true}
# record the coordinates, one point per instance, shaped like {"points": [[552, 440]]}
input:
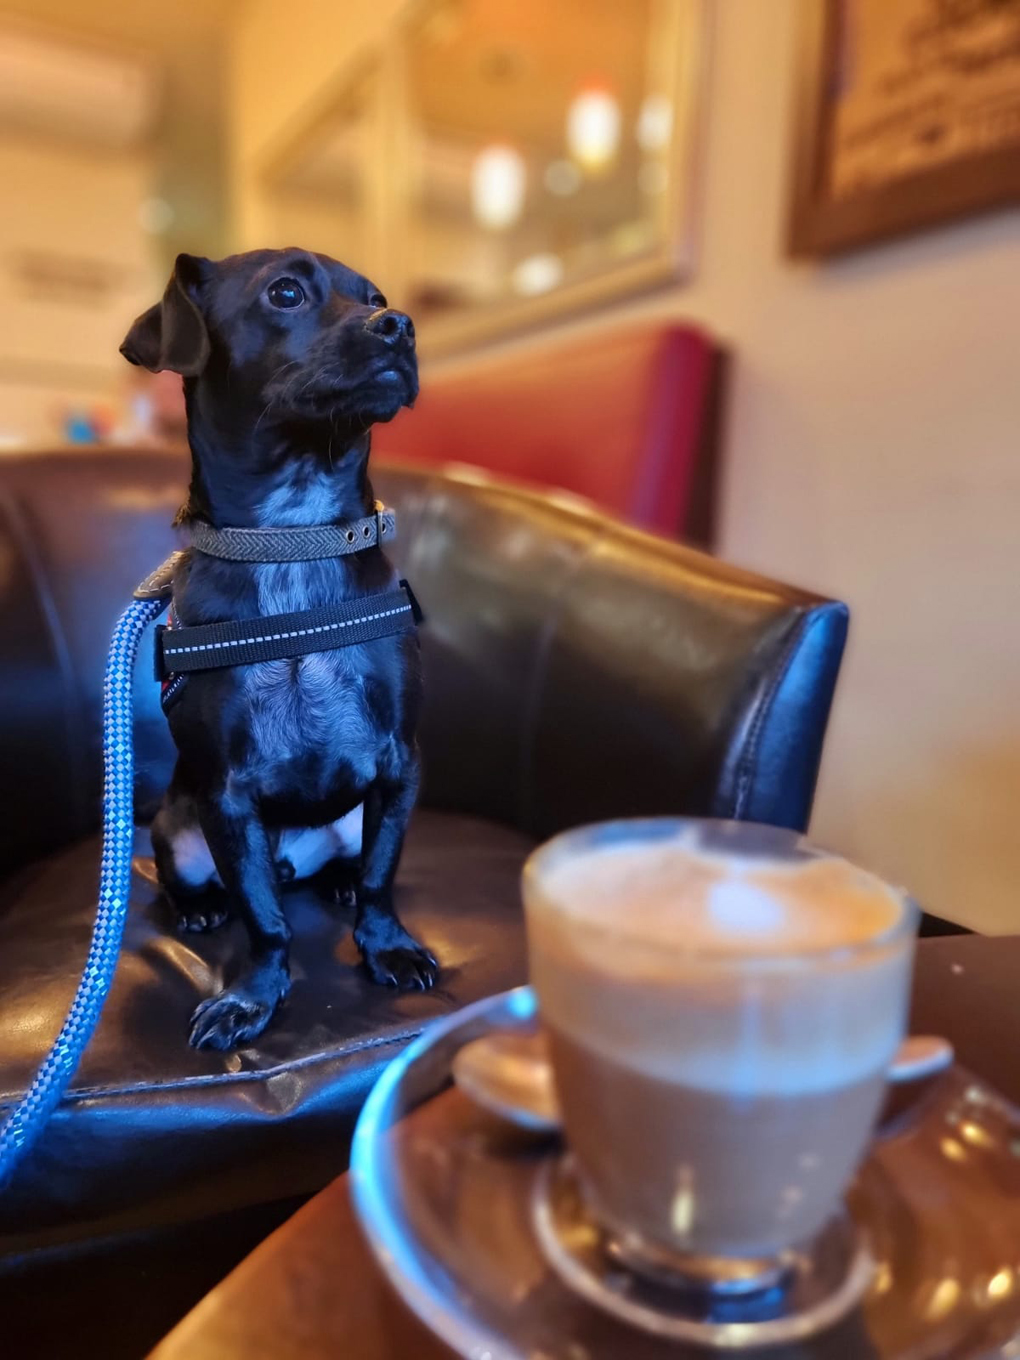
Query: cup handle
{"points": [[918, 1057]]}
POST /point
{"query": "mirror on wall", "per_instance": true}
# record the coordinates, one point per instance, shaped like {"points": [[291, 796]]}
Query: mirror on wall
{"points": [[550, 151], [502, 162]]}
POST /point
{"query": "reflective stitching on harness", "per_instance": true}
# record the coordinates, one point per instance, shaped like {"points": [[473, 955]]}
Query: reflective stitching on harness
{"points": [[276, 637]]}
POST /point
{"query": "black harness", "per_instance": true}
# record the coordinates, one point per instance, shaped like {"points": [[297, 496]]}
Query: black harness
{"points": [[273, 637]]}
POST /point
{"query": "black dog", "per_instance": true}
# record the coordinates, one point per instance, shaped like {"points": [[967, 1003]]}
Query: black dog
{"points": [[288, 358]]}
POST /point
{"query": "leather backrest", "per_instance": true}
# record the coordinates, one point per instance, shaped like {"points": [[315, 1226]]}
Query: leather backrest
{"points": [[575, 668], [578, 669], [78, 531], [621, 417]]}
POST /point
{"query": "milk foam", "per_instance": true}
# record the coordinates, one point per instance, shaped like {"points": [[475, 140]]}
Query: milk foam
{"points": [[667, 896], [641, 953]]}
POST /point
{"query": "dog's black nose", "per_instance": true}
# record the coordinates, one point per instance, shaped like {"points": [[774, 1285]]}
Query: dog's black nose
{"points": [[391, 327]]}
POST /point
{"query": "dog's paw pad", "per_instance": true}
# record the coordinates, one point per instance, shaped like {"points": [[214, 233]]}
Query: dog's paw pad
{"points": [[408, 968], [227, 1021], [199, 920]]}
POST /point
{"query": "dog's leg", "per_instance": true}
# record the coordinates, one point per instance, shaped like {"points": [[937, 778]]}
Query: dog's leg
{"points": [[243, 856], [185, 867], [391, 955]]}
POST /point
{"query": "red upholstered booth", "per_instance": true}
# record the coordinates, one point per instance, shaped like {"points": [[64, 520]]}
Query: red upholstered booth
{"points": [[624, 418]]}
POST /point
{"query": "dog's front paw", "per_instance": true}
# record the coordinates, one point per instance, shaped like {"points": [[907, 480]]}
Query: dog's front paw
{"points": [[398, 960], [229, 1020], [409, 968], [391, 955]]}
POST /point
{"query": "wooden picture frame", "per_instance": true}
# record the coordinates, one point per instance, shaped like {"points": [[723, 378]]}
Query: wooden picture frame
{"points": [[892, 201]]}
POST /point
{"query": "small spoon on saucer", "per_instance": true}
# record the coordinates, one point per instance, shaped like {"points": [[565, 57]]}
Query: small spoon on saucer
{"points": [[509, 1074]]}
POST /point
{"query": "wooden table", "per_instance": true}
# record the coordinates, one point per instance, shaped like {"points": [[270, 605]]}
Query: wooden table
{"points": [[311, 1291]]}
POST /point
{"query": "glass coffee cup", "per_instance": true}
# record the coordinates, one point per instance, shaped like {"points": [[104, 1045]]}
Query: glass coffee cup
{"points": [[722, 1001]]}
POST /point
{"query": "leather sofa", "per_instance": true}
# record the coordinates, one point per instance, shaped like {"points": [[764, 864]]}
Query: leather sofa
{"points": [[576, 669]]}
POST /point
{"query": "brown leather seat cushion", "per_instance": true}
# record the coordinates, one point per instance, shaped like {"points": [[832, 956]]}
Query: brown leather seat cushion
{"points": [[171, 1134]]}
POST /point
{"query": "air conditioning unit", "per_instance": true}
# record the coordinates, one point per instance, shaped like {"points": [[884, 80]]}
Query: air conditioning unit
{"points": [[74, 92]]}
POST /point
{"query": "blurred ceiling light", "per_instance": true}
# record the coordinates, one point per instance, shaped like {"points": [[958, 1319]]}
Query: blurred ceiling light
{"points": [[976, 1134], [942, 1299], [655, 122], [562, 178], [1001, 1284], [498, 179], [155, 215], [883, 1281], [537, 274], [653, 178], [593, 129]]}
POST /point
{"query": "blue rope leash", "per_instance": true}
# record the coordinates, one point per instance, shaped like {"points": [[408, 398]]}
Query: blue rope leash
{"points": [[26, 1121]]}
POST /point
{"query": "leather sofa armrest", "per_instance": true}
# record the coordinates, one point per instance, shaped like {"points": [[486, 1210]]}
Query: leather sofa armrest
{"points": [[771, 767]]}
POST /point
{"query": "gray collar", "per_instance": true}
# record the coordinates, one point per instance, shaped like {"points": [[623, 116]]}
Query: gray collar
{"points": [[300, 543]]}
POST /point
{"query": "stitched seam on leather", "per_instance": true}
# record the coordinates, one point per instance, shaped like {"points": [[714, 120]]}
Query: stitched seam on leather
{"points": [[745, 769], [206, 1080]]}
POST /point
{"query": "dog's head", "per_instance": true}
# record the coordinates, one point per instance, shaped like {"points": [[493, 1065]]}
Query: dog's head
{"points": [[281, 335]]}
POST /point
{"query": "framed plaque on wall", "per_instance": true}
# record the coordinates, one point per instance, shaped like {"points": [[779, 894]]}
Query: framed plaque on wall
{"points": [[908, 116]]}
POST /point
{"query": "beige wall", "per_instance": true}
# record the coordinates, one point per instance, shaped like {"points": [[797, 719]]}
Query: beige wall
{"points": [[58, 345], [78, 205], [273, 97], [871, 453]]}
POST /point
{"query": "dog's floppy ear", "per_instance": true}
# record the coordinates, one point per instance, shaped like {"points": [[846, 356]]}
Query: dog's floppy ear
{"points": [[172, 334]]}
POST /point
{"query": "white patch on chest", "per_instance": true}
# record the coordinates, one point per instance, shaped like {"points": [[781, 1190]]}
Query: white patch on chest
{"points": [[309, 849]]}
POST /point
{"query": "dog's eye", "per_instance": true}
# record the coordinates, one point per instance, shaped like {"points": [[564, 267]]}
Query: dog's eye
{"points": [[377, 300], [285, 293]]}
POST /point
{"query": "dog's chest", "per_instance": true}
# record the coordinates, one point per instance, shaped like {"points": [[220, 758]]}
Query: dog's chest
{"points": [[316, 709]]}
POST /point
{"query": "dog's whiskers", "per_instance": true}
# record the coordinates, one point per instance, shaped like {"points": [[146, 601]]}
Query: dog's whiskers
{"points": [[273, 400], [314, 378], [265, 410]]}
